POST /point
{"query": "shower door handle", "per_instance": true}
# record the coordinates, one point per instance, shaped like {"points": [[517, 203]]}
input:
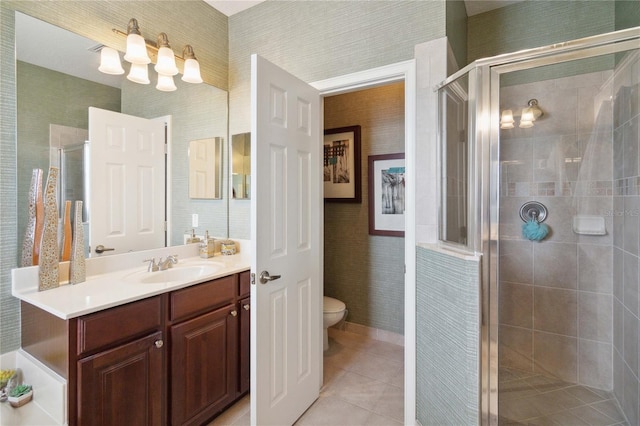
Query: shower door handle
{"points": [[265, 277]]}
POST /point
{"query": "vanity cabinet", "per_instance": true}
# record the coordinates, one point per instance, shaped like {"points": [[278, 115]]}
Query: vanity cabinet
{"points": [[178, 358], [204, 350], [119, 359]]}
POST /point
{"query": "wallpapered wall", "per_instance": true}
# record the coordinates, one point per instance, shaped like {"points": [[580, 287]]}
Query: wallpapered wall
{"points": [[326, 39], [366, 271]]}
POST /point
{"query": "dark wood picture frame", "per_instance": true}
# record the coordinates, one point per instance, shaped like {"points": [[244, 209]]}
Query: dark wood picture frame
{"points": [[378, 226], [334, 146]]}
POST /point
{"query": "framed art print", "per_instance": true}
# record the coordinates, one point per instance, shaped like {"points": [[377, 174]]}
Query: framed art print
{"points": [[341, 173]]}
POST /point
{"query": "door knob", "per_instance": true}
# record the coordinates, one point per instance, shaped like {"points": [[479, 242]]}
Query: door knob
{"points": [[265, 277], [159, 343], [246, 307], [100, 249], [234, 313]]}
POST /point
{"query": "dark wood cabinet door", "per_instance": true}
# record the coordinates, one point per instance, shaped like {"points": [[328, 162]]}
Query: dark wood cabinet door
{"points": [[244, 381], [204, 354], [123, 385]]}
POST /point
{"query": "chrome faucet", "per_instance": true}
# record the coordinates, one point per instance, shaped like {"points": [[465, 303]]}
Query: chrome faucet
{"points": [[153, 267], [166, 264]]}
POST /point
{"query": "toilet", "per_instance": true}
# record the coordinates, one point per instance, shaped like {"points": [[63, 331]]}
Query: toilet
{"points": [[333, 312]]}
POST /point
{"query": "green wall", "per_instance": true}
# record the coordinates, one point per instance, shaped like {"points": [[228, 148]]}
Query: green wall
{"points": [[315, 40], [457, 30], [536, 23], [627, 14]]}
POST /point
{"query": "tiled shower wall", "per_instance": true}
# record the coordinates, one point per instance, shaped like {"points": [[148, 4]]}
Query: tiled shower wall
{"points": [[626, 235], [556, 295]]}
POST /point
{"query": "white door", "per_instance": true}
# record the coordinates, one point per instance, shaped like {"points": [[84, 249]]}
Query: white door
{"points": [[127, 183], [286, 213]]}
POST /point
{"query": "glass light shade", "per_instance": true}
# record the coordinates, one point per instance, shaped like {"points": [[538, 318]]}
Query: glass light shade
{"points": [[139, 73], [166, 62], [526, 120], [506, 120], [191, 71], [165, 83], [110, 61], [136, 50]]}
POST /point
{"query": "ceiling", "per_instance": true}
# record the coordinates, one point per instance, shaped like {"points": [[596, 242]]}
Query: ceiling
{"points": [[474, 7]]}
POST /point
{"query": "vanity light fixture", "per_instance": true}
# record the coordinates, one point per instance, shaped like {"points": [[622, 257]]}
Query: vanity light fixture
{"points": [[166, 64], [140, 52], [110, 61], [528, 115], [506, 119], [165, 83], [191, 66], [139, 73], [136, 45]]}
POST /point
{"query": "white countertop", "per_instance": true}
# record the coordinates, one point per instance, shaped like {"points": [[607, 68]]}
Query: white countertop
{"points": [[115, 280]]}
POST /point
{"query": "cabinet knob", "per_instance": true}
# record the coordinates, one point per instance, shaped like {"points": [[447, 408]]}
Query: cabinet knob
{"points": [[234, 313], [159, 343], [246, 307]]}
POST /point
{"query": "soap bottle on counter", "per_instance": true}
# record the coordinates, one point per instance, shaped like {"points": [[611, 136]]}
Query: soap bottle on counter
{"points": [[207, 247]]}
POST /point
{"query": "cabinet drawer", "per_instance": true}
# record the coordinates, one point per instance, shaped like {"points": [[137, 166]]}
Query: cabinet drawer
{"points": [[244, 285], [202, 297], [119, 324]]}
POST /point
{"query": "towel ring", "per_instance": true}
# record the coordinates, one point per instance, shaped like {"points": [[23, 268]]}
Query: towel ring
{"points": [[533, 210]]}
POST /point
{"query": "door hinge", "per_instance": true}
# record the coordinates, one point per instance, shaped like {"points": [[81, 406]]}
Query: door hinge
{"points": [[166, 148], [166, 226], [253, 278]]}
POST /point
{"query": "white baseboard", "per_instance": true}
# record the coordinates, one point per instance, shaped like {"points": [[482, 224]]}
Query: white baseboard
{"points": [[373, 333]]}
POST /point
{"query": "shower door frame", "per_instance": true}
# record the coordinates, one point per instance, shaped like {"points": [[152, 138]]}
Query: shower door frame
{"points": [[484, 177], [489, 100]]}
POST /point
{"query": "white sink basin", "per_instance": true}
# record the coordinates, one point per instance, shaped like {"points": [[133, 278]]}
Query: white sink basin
{"points": [[175, 274]]}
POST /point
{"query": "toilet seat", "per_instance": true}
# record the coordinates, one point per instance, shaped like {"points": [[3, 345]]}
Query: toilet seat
{"points": [[331, 305]]}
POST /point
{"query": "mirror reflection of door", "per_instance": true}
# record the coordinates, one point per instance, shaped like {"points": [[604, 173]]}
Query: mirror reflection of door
{"points": [[205, 171], [127, 183], [241, 165]]}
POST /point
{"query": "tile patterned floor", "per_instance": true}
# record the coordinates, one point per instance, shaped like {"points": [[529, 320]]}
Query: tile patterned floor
{"points": [[531, 399], [363, 385]]}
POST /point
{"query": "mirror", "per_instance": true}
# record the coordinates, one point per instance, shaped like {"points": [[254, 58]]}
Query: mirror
{"points": [[52, 95], [205, 168], [241, 165]]}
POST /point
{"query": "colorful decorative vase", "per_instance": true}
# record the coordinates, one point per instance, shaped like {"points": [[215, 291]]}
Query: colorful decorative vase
{"points": [[35, 192], [77, 273], [49, 251]]}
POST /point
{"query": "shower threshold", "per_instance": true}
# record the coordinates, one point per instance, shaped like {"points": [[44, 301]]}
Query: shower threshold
{"points": [[534, 399]]}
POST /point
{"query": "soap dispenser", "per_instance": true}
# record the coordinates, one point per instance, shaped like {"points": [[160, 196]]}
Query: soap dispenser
{"points": [[207, 247], [193, 239]]}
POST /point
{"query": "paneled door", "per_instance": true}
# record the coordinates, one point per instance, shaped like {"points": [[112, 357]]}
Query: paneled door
{"points": [[286, 213], [127, 183]]}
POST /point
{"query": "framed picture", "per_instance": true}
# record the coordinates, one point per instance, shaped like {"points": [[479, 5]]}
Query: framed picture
{"points": [[386, 195], [342, 165]]}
